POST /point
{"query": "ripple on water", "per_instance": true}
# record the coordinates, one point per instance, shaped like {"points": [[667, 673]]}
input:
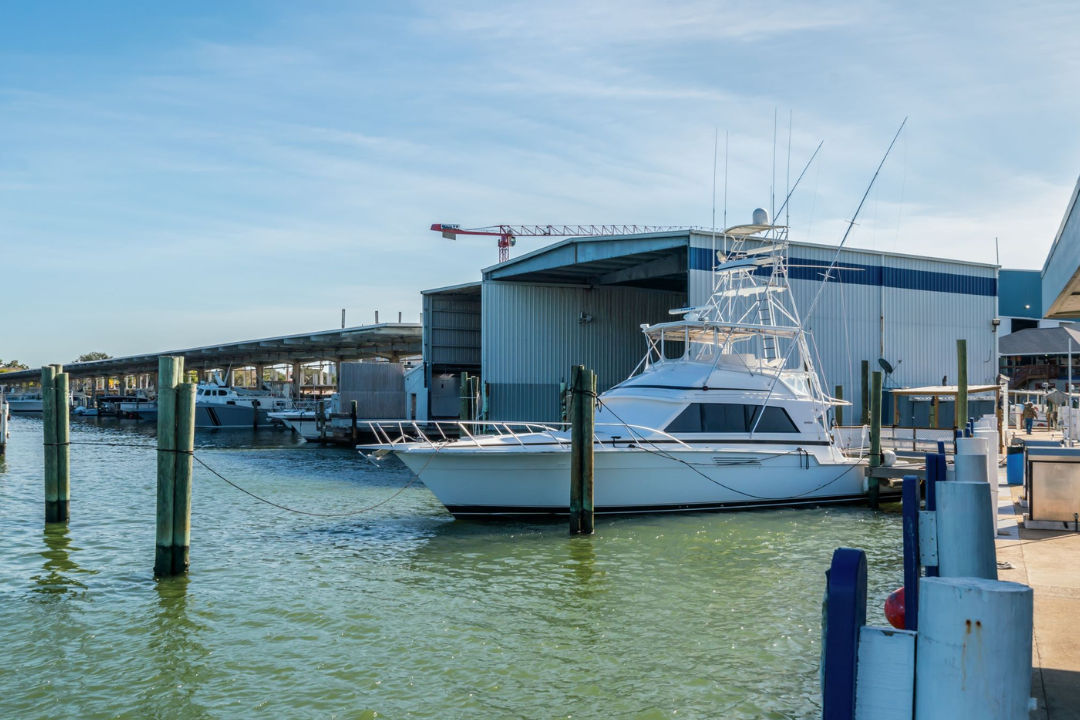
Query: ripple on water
{"points": [[403, 612]]}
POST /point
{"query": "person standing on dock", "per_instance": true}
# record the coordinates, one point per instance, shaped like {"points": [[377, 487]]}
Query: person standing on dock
{"points": [[1029, 416]]}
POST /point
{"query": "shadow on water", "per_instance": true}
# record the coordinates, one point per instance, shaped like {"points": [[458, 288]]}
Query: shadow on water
{"points": [[56, 577]]}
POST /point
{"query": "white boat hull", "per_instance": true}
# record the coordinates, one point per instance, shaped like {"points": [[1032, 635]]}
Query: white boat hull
{"points": [[531, 482], [25, 406]]}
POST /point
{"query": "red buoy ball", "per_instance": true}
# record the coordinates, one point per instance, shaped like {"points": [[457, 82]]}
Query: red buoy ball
{"points": [[894, 609]]}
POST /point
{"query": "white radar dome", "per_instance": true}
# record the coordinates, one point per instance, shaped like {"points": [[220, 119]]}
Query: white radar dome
{"points": [[761, 216]]}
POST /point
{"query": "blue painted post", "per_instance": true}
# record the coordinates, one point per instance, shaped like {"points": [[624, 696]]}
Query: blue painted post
{"points": [[935, 472], [912, 568], [941, 447], [844, 617]]}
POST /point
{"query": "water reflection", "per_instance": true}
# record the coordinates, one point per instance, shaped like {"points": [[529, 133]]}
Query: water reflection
{"points": [[55, 578], [590, 581], [177, 652]]}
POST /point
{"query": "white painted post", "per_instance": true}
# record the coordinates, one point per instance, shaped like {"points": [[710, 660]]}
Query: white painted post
{"points": [[973, 651], [965, 547], [983, 447]]}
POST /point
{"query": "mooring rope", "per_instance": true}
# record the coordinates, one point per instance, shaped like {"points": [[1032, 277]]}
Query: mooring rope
{"points": [[248, 492]]}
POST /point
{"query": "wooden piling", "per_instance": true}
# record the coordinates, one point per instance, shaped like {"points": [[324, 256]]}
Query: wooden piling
{"points": [[62, 415], [463, 410], [873, 484], [3, 424], [582, 419], [839, 408], [865, 393], [48, 441], [474, 397], [961, 385], [352, 418], [185, 446], [170, 370]]}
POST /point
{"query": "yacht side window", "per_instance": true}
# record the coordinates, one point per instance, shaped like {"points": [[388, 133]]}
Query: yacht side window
{"points": [[731, 418]]}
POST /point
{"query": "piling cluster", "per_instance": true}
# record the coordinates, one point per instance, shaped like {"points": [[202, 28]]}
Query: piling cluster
{"points": [[175, 445], [55, 442]]}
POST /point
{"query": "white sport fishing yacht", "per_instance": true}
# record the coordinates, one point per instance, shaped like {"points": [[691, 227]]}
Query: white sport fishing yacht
{"points": [[725, 411]]}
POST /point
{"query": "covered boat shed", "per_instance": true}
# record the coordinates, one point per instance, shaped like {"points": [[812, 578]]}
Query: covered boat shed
{"points": [[584, 300]]}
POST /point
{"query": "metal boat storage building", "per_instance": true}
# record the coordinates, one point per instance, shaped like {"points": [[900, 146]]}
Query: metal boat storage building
{"points": [[583, 301]]}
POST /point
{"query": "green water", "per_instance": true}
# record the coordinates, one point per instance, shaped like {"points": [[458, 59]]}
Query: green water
{"points": [[402, 613]]}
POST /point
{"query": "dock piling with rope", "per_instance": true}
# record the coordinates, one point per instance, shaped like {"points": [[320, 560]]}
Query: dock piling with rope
{"points": [[55, 438], [176, 444]]}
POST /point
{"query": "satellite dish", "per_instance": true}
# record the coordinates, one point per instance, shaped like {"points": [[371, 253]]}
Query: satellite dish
{"points": [[885, 366]]}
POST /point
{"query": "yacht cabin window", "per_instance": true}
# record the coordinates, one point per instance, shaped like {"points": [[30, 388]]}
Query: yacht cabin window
{"points": [[730, 418]]}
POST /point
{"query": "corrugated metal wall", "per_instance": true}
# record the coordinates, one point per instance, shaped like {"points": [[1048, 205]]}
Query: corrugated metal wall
{"points": [[533, 335], [910, 311], [377, 388], [451, 329]]}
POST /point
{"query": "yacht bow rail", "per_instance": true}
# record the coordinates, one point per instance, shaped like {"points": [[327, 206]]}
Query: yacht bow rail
{"points": [[396, 433]]}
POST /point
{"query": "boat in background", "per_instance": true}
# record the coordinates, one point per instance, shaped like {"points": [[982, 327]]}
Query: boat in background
{"points": [[27, 402]]}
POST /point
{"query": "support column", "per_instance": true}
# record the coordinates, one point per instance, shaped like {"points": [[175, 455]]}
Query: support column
{"points": [[259, 370], [297, 379]]}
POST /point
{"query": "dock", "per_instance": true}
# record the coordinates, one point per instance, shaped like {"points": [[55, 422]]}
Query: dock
{"points": [[1048, 561]]}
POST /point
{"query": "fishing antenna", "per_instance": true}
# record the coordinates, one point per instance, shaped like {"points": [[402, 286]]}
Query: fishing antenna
{"points": [[802, 326], [716, 139], [726, 135], [772, 188], [799, 179], [787, 181], [851, 223]]}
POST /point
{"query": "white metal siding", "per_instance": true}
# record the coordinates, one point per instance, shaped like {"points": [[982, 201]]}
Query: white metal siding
{"points": [[532, 336]]}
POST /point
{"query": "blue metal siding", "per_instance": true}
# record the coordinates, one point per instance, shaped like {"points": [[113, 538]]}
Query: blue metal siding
{"points": [[1020, 294], [861, 274]]}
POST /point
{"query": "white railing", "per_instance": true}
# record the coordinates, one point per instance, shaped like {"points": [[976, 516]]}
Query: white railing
{"points": [[475, 432]]}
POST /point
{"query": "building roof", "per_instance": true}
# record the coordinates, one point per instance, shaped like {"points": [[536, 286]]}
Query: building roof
{"points": [[367, 341], [1041, 341]]}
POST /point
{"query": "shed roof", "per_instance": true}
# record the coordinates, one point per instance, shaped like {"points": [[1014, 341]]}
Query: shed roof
{"points": [[368, 341], [1041, 341]]}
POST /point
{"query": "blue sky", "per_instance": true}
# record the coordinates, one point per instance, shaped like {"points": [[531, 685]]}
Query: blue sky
{"points": [[176, 174]]}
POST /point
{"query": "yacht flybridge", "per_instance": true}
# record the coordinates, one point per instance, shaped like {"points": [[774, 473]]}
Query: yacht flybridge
{"points": [[724, 411]]}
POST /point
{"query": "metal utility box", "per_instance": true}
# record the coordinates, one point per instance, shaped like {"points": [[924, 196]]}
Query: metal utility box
{"points": [[1053, 488]]}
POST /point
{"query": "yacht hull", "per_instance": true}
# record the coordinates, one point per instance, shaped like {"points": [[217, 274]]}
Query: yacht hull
{"points": [[531, 482], [24, 406], [217, 416]]}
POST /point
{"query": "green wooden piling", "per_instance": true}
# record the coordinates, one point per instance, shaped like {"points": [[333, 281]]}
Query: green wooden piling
{"points": [[170, 370], [185, 446], [865, 393], [961, 384], [582, 414], [875, 437], [463, 410], [48, 441], [839, 408], [62, 415], [474, 397]]}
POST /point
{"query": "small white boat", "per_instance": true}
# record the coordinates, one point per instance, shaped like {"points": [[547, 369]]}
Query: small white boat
{"points": [[725, 411], [24, 402]]}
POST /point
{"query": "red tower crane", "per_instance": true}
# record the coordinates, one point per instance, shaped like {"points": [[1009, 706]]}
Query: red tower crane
{"points": [[508, 234]]}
